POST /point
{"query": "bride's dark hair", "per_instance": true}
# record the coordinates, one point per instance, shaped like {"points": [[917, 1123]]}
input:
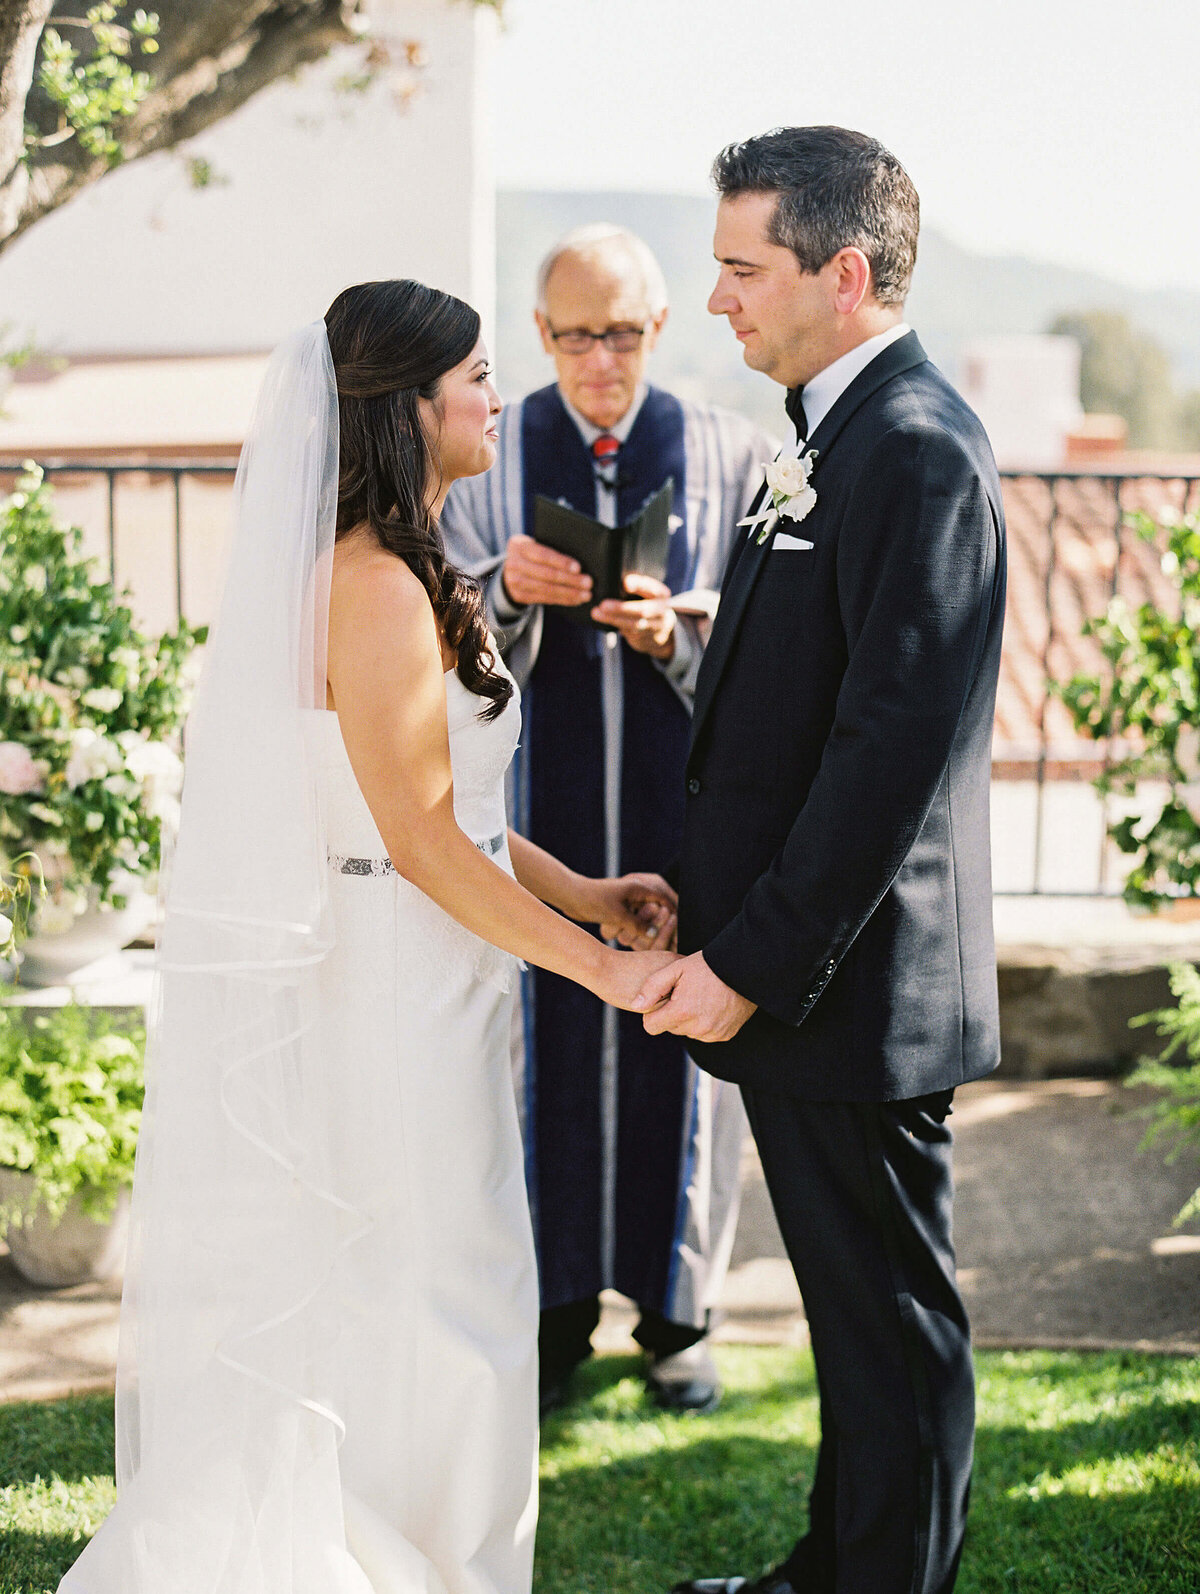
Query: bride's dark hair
{"points": [[391, 343]]}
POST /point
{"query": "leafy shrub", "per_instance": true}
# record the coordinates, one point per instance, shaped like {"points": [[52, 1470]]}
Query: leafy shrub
{"points": [[1176, 1117], [90, 714], [1150, 700], [71, 1085]]}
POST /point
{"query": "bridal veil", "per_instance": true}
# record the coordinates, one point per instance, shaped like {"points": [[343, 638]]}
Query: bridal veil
{"points": [[226, 1441]]}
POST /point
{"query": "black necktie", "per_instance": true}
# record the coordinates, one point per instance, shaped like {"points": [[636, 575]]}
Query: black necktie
{"points": [[794, 405]]}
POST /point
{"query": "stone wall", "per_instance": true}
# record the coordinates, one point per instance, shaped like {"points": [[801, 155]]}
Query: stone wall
{"points": [[1067, 1012]]}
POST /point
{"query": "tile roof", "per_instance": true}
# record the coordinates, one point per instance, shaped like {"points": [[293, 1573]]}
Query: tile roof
{"points": [[1069, 551]]}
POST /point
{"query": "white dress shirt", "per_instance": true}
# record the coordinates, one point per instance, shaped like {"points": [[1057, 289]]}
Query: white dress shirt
{"points": [[606, 491], [823, 392], [819, 396], [606, 497]]}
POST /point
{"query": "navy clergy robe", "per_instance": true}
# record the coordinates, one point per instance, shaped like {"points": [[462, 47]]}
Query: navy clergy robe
{"points": [[632, 1154]]}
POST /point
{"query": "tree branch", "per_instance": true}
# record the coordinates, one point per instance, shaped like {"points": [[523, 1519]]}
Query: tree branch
{"points": [[211, 60], [285, 37], [21, 24]]}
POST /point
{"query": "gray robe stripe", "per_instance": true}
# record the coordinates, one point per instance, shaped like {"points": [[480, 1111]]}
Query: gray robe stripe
{"points": [[725, 456]]}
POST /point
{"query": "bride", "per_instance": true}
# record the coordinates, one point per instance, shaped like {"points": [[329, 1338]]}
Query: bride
{"points": [[327, 1379]]}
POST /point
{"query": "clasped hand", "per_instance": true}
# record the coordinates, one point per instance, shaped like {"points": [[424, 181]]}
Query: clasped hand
{"points": [[636, 910], [686, 998], [675, 995]]}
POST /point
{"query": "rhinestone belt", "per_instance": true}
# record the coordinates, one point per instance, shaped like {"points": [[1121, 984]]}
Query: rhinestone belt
{"points": [[385, 866]]}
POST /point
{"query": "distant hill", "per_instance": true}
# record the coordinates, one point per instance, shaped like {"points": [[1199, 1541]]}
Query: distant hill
{"points": [[956, 296]]}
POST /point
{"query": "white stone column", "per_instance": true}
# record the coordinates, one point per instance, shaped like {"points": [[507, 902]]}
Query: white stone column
{"points": [[450, 132]]}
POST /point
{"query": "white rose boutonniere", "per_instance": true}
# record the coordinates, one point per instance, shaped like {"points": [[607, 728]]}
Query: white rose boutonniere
{"points": [[792, 493]]}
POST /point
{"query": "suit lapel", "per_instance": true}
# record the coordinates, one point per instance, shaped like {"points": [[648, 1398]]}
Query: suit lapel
{"points": [[735, 593], [751, 555], [897, 358], [744, 540]]}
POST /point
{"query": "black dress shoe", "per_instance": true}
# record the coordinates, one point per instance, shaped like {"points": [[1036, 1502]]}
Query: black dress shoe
{"points": [[554, 1392], [769, 1583], [686, 1381]]}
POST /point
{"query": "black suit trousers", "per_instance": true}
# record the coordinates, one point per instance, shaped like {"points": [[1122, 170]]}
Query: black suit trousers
{"points": [[862, 1191]]}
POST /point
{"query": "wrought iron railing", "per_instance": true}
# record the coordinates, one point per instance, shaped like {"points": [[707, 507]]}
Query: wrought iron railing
{"points": [[150, 472], [1070, 553]]}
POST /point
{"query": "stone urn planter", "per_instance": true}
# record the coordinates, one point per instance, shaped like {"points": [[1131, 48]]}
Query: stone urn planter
{"points": [[73, 1249], [70, 1112], [91, 720], [55, 957]]}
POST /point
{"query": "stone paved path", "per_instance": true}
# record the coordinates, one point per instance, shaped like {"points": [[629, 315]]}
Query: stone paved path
{"points": [[1063, 1228], [1064, 1239]]}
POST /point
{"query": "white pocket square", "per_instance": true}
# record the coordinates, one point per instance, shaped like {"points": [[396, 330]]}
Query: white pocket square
{"points": [[784, 539]]}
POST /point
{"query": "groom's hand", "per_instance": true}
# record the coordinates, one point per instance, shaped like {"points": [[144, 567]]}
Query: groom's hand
{"points": [[688, 999]]}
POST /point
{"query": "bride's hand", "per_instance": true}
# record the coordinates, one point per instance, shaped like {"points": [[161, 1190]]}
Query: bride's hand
{"points": [[624, 973], [638, 910]]}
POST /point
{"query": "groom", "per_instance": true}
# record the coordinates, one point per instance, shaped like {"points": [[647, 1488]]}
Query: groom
{"points": [[835, 892]]}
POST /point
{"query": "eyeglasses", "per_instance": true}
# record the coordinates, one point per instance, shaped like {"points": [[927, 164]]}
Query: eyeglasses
{"points": [[618, 340]]}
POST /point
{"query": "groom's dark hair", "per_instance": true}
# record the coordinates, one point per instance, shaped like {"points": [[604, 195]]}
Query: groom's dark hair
{"points": [[836, 190]]}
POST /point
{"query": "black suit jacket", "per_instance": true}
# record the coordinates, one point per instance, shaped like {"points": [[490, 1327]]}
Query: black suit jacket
{"points": [[835, 865]]}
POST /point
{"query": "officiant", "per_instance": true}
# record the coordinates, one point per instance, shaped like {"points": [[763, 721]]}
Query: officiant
{"points": [[632, 1154]]}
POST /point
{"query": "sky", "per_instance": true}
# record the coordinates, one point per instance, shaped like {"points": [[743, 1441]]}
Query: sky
{"points": [[1054, 129]]}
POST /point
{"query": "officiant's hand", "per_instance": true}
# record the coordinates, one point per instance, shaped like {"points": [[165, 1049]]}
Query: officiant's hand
{"points": [[646, 620], [688, 999], [638, 910], [533, 573]]}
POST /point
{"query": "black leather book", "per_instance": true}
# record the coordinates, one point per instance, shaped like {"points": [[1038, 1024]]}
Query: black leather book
{"points": [[608, 553]]}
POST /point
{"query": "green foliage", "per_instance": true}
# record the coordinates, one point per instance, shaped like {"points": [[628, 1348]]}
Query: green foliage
{"points": [[14, 355], [1176, 1117], [90, 711], [93, 89], [16, 899], [71, 1084], [1150, 698], [1087, 1478], [202, 173], [1124, 372], [95, 92]]}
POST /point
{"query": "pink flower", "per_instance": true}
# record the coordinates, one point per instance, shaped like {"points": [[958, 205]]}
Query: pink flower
{"points": [[20, 773]]}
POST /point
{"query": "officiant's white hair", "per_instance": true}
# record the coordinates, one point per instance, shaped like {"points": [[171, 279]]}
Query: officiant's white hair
{"points": [[613, 246]]}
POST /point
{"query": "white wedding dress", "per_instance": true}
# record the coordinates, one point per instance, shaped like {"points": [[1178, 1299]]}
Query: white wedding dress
{"points": [[378, 1435], [437, 1369]]}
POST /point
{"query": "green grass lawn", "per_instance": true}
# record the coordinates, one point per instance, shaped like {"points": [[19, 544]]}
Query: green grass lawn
{"points": [[1088, 1478]]}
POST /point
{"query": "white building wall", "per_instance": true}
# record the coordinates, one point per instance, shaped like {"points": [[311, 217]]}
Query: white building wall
{"points": [[1025, 389], [316, 189]]}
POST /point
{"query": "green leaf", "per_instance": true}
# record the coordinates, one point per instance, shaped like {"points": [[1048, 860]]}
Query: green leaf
{"points": [[71, 1085]]}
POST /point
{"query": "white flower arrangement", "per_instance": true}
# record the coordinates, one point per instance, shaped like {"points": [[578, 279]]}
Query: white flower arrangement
{"points": [[89, 721]]}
